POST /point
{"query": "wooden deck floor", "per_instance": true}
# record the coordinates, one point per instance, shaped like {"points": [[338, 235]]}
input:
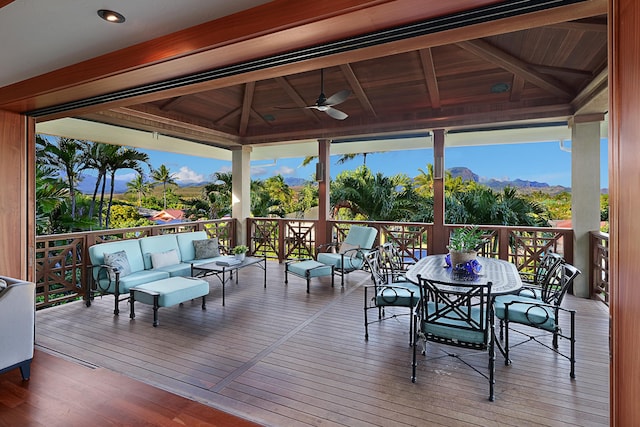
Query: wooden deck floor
{"points": [[281, 357]]}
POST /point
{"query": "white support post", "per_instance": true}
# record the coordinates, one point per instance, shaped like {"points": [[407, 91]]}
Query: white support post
{"points": [[585, 195], [241, 191]]}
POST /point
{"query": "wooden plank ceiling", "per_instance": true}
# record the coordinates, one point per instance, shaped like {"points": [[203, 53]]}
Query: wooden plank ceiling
{"points": [[543, 74]]}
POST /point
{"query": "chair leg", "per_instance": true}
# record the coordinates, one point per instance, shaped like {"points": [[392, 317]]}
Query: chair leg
{"points": [[414, 361], [492, 366], [366, 321], [572, 374], [507, 361], [501, 329]]}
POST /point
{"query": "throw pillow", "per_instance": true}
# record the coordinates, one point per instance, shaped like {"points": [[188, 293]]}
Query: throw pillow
{"points": [[3, 284], [207, 248], [344, 247], [117, 261], [162, 259]]}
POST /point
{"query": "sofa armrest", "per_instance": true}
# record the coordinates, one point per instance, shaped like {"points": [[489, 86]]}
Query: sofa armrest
{"points": [[17, 321]]}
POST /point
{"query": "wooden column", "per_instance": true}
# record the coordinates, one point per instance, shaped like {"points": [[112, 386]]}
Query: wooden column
{"points": [[624, 197], [17, 204], [323, 232], [440, 238]]}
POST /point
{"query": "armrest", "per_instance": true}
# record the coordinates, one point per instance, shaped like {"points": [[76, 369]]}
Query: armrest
{"points": [[327, 247], [108, 269]]}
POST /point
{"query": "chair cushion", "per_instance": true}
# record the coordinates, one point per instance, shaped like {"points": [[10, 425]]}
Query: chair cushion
{"points": [[173, 290], [315, 269], [451, 328], [185, 243], [526, 311], [166, 258], [117, 261], [155, 244], [207, 248], [398, 294], [133, 279], [350, 263], [346, 247]]}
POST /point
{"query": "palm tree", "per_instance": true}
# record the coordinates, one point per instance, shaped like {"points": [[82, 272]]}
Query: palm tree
{"points": [[374, 197], [51, 194], [163, 176], [124, 158], [66, 155], [423, 183], [99, 157], [218, 195], [139, 187]]}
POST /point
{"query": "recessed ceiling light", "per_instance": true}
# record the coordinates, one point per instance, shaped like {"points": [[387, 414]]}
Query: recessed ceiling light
{"points": [[500, 88], [111, 16]]}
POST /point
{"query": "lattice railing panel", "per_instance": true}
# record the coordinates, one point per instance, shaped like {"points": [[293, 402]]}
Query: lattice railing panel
{"points": [[60, 269], [526, 248], [300, 239]]}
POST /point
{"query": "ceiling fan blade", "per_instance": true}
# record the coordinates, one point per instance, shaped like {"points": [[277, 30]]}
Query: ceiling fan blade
{"points": [[336, 114], [338, 98]]}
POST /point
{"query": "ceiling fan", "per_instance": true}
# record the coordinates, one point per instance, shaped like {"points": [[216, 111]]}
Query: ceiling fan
{"points": [[325, 104]]}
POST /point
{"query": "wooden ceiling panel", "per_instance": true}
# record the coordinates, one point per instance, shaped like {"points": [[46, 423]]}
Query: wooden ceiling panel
{"points": [[542, 69]]}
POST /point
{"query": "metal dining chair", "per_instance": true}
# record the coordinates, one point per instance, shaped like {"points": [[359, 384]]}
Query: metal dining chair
{"points": [[456, 315], [385, 293], [543, 315]]}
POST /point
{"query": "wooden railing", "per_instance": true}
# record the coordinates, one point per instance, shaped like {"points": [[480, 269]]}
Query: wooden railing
{"points": [[283, 239], [62, 259], [599, 265]]}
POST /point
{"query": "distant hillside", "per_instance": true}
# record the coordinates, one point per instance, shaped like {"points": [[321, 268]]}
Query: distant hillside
{"points": [[520, 184], [88, 183]]}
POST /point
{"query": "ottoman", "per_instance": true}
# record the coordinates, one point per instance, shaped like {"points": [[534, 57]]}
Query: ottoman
{"points": [[307, 269], [168, 292]]}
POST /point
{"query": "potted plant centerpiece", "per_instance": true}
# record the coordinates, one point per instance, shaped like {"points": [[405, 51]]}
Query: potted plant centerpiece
{"points": [[464, 243], [240, 251]]}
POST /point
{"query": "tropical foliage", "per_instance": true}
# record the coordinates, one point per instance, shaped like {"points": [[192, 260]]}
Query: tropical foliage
{"points": [[356, 194]]}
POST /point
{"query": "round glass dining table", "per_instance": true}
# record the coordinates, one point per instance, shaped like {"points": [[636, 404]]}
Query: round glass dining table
{"points": [[503, 275]]}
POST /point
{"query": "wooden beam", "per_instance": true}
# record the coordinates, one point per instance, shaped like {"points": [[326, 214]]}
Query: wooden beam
{"points": [[514, 65], [594, 26], [517, 86], [172, 102], [429, 70], [257, 33], [571, 72], [247, 101], [594, 97], [147, 118], [296, 98], [357, 89]]}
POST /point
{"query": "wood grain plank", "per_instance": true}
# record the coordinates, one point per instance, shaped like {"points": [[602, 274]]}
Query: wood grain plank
{"points": [[281, 356]]}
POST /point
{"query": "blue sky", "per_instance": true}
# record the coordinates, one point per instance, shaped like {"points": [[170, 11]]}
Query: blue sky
{"points": [[542, 162]]}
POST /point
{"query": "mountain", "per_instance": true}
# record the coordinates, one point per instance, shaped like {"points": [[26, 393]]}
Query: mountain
{"points": [[498, 185], [88, 183]]}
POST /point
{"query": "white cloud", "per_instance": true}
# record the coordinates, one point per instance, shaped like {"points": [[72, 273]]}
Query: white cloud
{"points": [[258, 171], [285, 170], [187, 175]]}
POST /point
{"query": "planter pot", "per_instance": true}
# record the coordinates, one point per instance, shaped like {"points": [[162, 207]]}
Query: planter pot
{"points": [[240, 257], [461, 257]]}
